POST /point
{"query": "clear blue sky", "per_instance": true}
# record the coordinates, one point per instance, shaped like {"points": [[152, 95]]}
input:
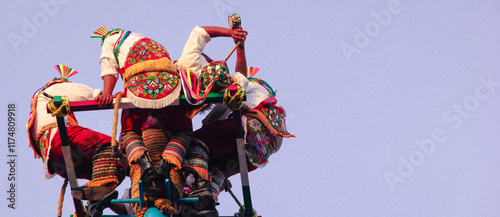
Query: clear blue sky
{"points": [[394, 102]]}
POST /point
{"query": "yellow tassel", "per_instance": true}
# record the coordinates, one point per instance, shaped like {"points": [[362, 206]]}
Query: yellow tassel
{"points": [[203, 172], [162, 64], [172, 159], [191, 113], [135, 156], [108, 182], [176, 179]]}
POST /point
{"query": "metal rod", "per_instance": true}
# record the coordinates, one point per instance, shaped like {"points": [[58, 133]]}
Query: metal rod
{"points": [[247, 199], [68, 160], [141, 195], [167, 188]]}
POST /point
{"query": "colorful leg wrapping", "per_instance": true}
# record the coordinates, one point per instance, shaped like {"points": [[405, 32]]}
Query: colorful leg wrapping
{"points": [[217, 181], [197, 158], [176, 148], [133, 144], [104, 170], [156, 142]]}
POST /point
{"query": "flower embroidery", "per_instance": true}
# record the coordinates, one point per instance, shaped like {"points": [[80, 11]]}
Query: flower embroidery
{"points": [[144, 50], [153, 85], [253, 125]]}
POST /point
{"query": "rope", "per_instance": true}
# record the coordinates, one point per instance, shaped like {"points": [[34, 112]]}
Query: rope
{"points": [[85, 212], [135, 176], [61, 198], [165, 206], [155, 142], [235, 101], [142, 211], [60, 111], [114, 147]]}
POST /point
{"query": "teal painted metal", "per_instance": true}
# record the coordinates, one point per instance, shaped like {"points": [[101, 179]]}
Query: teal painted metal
{"points": [[141, 195], [167, 189], [182, 199], [248, 201], [132, 200], [211, 98], [114, 215], [153, 212], [117, 215]]}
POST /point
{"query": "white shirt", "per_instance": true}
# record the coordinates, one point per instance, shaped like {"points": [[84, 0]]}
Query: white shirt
{"points": [[74, 92], [109, 66], [191, 58]]}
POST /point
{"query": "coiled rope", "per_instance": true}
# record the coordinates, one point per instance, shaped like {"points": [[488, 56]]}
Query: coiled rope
{"points": [[60, 111], [234, 102], [164, 205], [114, 146]]}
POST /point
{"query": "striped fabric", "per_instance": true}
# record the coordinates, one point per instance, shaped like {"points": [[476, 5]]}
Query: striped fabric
{"points": [[104, 171], [133, 144]]}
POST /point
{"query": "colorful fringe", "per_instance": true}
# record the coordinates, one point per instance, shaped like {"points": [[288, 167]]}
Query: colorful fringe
{"points": [[31, 121], [176, 148], [217, 181], [156, 141], [147, 55], [197, 158], [43, 148], [134, 146], [104, 168]]}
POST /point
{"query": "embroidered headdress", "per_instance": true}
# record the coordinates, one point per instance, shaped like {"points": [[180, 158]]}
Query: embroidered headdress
{"points": [[103, 33]]}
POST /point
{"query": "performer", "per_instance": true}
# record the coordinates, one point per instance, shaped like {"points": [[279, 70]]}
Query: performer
{"points": [[91, 150], [263, 121], [151, 82], [201, 65], [194, 174]]}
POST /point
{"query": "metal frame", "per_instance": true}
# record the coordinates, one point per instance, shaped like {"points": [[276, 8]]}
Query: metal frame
{"points": [[124, 103]]}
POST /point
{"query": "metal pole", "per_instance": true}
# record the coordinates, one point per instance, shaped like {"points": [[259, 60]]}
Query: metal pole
{"points": [[68, 160], [242, 159]]}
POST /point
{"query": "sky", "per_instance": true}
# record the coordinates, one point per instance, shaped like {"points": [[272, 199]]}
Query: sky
{"points": [[394, 102]]}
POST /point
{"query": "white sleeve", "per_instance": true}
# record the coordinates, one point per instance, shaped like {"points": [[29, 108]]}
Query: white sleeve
{"points": [[241, 79], [109, 66], [191, 58], [255, 95], [82, 92]]}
